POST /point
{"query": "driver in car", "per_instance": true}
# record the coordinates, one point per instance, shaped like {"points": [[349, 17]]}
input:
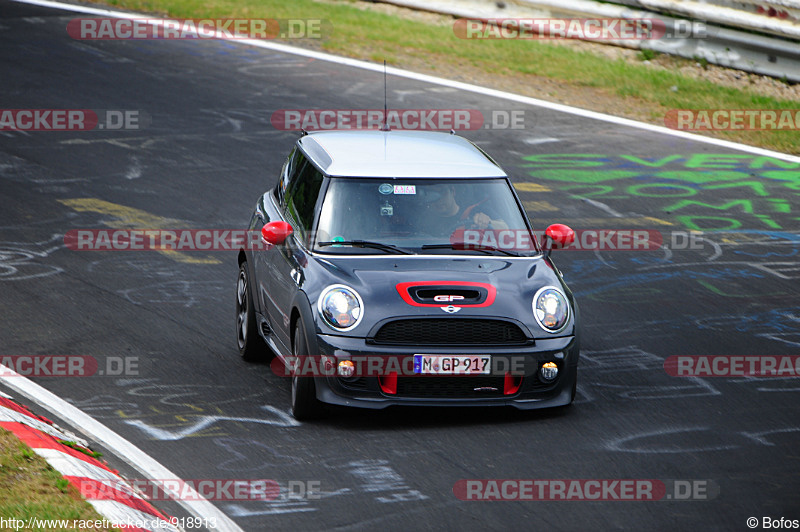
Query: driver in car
{"points": [[447, 213]]}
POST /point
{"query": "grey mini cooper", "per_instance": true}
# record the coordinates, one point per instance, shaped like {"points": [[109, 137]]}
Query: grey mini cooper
{"points": [[400, 268]]}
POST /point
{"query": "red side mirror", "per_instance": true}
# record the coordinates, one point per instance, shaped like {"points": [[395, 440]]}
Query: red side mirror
{"points": [[561, 235], [276, 233]]}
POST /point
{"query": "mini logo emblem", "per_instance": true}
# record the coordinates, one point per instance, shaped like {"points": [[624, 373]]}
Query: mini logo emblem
{"points": [[450, 309], [447, 298]]}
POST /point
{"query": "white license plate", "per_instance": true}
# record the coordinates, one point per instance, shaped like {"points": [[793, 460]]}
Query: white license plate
{"points": [[452, 364]]}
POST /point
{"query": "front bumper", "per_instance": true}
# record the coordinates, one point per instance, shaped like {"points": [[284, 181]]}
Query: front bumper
{"points": [[532, 391]]}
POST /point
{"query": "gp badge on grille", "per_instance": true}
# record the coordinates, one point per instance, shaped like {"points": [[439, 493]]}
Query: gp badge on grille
{"points": [[449, 298]]}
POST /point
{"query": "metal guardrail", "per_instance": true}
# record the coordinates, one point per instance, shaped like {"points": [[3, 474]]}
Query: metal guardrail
{"points": [[747, 17], [750, 52], [769, 11]]}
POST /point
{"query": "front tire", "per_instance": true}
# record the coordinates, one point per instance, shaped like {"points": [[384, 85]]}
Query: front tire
{"points": [[251, 347], [305, 404]]}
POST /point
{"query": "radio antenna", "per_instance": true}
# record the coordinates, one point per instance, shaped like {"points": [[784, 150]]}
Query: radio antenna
{"points": [[385, 126]]}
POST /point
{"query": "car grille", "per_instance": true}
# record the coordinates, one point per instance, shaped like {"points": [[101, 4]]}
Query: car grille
{"points": [[450, 331], [453, 387]]}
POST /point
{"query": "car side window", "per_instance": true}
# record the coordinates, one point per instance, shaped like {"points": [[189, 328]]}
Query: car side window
{"points": [[287, 175], [301, 197]]}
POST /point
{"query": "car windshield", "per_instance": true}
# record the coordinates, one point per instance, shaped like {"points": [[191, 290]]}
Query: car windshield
{"points": [[432, 216]]}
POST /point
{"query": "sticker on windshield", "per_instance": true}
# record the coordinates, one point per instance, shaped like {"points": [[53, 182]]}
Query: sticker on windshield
{"points": [[387, 189]]}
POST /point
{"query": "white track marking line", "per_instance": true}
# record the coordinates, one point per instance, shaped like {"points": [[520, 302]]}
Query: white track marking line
{"points": [[374, 67]]}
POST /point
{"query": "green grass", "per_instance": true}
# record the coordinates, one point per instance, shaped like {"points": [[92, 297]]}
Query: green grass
{"points": [[80, 448], [29, 487], [365, 34]]}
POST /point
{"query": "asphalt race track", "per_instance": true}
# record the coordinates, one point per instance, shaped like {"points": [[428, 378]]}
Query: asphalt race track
{"points": [[208, 150]]}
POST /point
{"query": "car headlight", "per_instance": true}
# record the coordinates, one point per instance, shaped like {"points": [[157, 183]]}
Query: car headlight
{"points": [[551, 309], [341, 307]]}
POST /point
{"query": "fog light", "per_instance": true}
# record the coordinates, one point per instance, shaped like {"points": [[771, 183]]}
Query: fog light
{"points": [[346, 368], [548, 371]]}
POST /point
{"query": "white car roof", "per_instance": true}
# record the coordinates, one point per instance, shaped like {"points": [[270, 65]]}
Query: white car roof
{"points": [[401, 154]]}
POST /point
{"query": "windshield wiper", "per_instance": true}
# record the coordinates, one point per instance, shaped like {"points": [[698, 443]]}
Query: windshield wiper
{"points": [[367, 244], [465, 246]]}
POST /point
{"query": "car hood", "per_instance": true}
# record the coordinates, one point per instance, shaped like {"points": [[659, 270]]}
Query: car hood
{"points": [[384, 283]]}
